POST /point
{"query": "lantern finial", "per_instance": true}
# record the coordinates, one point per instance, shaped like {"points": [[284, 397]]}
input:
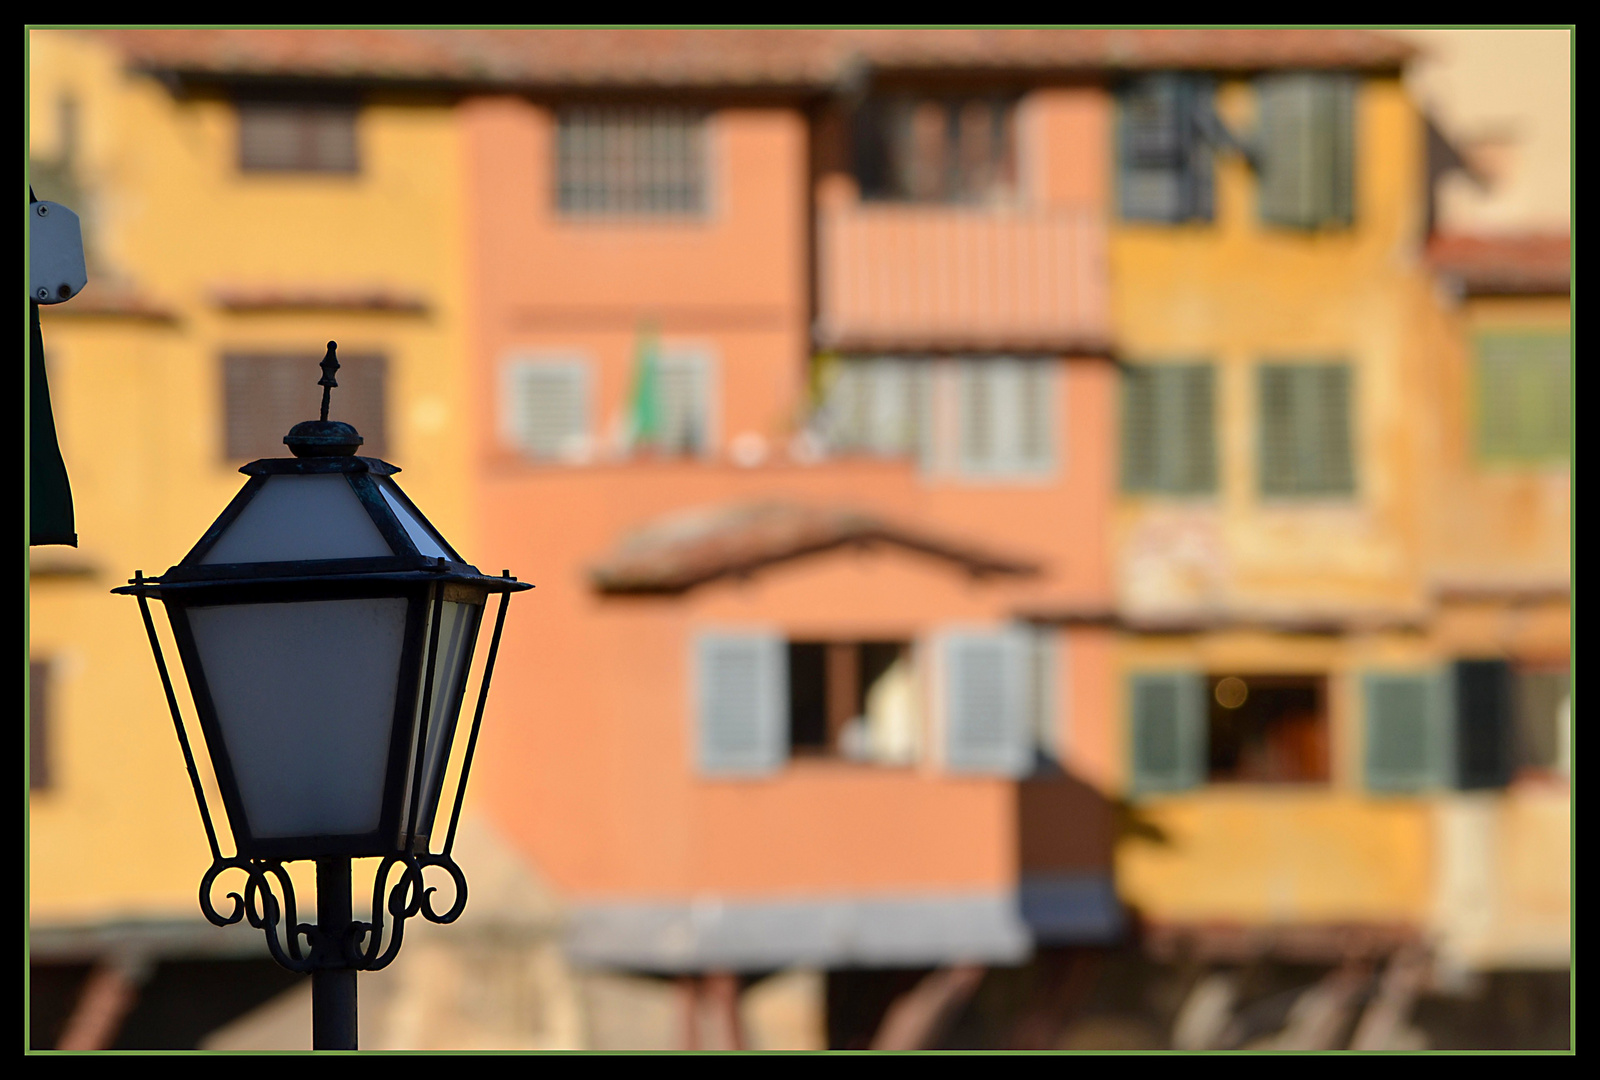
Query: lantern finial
{"points": [[324, 438], [330, 365]]}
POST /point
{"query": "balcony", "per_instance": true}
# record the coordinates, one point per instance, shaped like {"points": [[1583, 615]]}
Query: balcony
{"points": [[961, 279]]}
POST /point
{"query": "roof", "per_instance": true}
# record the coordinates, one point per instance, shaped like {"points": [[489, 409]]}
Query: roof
{"points": [[679, 552], [1527, 264], [732, 58]]}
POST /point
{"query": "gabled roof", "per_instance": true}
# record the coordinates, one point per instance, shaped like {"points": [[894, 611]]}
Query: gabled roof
{"points": [[810, 59], [1523, 264], [679, 552]]}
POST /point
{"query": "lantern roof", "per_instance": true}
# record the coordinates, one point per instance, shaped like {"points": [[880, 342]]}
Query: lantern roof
{"points": [[326, 512]]}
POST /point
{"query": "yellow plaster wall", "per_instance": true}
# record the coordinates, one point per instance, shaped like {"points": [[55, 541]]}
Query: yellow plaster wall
{"points": [[138, 405]]}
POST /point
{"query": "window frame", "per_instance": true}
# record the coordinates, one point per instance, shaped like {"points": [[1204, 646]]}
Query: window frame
{"points": [[295, 369], [301, 107], [1193, 97]]}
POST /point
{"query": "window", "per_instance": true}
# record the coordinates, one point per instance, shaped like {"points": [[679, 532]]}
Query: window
{"points": [[39, 725], [267, 394], [547, 409], [1306, 149], [876, 406], [1524, 396], [761, 699], [673, 404], [1164, 160], [1267, 729], [1305, 436], [1006, 411], [855, 700], [1169, 429], [289, 135], [912, 148], [639, 161], [1189, 729]]}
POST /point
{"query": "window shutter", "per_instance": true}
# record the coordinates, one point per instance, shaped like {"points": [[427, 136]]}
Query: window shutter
{"points": [[38, 725], [1169, 731], [988, 703], [547, 409], [1484, 724], [1406, 731], [1305, 433], [266, 395], [1164, 165], [1524, 396], [684, 384], [1006, 413], [1307, 149], [1036, 411], [291, 136], [741, 703], [1169, 436]]}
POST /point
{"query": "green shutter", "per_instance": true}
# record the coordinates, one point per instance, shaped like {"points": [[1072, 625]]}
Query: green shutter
{"points": [[1164, 166], [1307, 149], [1168, 711], [1408, 747], [1524, 396], [1169, 429], [1305, 437]]}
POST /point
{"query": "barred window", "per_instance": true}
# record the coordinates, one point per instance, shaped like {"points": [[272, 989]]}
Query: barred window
{"points": [[267, 394], [1305, 430], [297, 136], [627, 161]]}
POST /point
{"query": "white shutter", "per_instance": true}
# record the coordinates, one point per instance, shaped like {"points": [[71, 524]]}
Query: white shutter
{"points": [[685, 383], [988, 704], [547, 408], [1006, 417], [741, 703]]}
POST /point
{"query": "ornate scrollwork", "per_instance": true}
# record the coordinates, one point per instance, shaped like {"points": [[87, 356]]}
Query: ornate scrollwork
{"points": [[362, 946]]}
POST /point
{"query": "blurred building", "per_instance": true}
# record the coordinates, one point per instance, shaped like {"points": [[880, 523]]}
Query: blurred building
{"points": [[998, 500]]}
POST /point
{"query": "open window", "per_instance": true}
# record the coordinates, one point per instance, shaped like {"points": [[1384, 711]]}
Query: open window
{"points": [[855, 700], [937, 148], [1268, 729]]}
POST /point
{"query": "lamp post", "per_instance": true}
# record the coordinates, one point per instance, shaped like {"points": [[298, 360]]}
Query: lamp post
{"points": [[326, 630]]}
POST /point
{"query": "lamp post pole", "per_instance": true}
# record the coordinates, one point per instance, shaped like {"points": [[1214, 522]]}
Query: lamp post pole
{"points": [[333, 988]]}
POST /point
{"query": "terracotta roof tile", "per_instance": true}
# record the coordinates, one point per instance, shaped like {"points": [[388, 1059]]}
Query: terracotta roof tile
{"points": [[692, 548], [801, 59], [1505, 265]]}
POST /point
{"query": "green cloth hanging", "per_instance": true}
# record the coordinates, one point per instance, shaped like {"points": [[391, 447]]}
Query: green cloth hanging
{"points": [[645, 427], [49, 493]]}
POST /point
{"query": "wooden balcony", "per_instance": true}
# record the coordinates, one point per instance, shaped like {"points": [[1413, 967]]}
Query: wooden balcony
{"points": [[948, 279]]}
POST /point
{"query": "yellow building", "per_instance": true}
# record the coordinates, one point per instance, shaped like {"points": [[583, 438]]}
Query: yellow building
{"points": [[1345, 629], [231, 232]]}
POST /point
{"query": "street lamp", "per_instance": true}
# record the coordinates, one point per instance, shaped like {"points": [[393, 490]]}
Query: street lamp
{"points": [[326, 629]]}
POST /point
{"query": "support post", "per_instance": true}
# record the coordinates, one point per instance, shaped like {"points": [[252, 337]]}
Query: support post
{"points": [[333, 989]]}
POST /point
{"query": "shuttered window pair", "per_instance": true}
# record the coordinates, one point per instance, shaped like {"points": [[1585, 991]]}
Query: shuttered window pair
{"points": [[1305, 147], [547, 408], [298, 136], [265, 394], [993, 692], [1164, 157], [1305, 434], [1169, 429], [1524, 396], [1453, 728], [643, 161]]}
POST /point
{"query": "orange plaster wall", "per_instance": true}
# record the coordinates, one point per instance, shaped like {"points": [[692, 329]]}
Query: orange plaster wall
{"points": [[585, 759]]}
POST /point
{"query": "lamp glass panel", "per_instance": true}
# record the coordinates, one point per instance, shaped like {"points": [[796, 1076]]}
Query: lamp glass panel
{"points": [[457, 626], [305, 697], [300, 517], [428, 542]]}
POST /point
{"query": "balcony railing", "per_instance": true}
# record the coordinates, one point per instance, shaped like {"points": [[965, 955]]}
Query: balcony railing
{"points": [[961, 278]]}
